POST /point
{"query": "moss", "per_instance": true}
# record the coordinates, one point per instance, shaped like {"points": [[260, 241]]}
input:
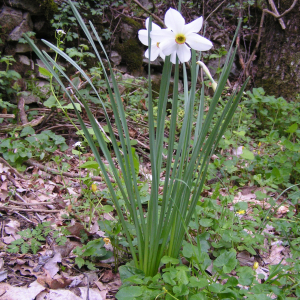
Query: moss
{"points": [[131, 54], [48, 7], [132, 22]]}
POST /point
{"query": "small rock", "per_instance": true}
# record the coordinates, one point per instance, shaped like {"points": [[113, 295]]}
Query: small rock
{"points": [[115, 57]]}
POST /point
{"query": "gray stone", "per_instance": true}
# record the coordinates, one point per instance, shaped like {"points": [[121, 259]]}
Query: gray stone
{"points": [[9, 19], [127, 32], [44, 87], [27, 5], [25, 26], [38, 25], [29, 98], [22, 48], [147, 4], [115, 57], [157, 63], [23, 59]]}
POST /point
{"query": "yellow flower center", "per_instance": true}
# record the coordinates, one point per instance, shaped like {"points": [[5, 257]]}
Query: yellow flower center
{"points": [[106, 241], [180, 38], [157, 44]]}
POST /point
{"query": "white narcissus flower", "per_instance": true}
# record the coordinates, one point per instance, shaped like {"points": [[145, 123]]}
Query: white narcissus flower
{"points": [[175, 38], [143, 37], [60, 31]]}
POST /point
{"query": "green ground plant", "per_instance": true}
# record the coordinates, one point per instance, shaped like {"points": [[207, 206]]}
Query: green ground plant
{"points": [[20, 147], [163, 221], [174, 236], [32, 239]]}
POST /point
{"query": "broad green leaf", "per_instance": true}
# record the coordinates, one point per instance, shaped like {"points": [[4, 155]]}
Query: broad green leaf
{"points": [[90, 165], [107, 208], [70, 106], [50, 102], [168, 278], [182, 277], [227, 260], [45, 72], [79, 262], [171, 260], [215, 287], [28, 130], [129, 292], [247, 154], [240, 133], [206, 222], [180, 290], [128, 271], [292, 128], [198, 282]]}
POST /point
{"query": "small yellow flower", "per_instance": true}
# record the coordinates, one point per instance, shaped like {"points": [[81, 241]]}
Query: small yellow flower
{"points": [[259, 144], [255, 265], [258, 152], [241, 212], [106, 241], [94, 187]]}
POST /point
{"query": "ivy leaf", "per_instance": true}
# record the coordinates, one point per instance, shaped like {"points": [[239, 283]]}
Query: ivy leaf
{"points": [[206, 222], [168, 259], [227, 260], [182, 277], [129, 292]]}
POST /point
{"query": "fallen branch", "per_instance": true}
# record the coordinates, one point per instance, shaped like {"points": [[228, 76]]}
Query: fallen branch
{"points": [[7, 116], [13, 170], [15, 208], [9, 128], [31, 162], [30, 204], [275, 15], [150, 13]]}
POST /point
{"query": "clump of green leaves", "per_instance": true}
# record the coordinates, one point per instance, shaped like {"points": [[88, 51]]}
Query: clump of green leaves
{"points": [[32, 239], [90, 253], [7, 77], [29, 144]]}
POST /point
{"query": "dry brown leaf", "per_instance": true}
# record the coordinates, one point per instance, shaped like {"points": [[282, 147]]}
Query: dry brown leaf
{"points": [[107, 276], [94, 294], [245, 258], [57, 282], [51, 265], [275, 255], [25, 293]]}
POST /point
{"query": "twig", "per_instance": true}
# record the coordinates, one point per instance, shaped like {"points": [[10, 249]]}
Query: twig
{"points": [[21, 107], [34, 203], [215, 10], [265, 11], [271, 2], [31, 162], [20, 197], [20, 215], [11, 168], [11, 127], [7, 116], [15, 208], [150, 13]]}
